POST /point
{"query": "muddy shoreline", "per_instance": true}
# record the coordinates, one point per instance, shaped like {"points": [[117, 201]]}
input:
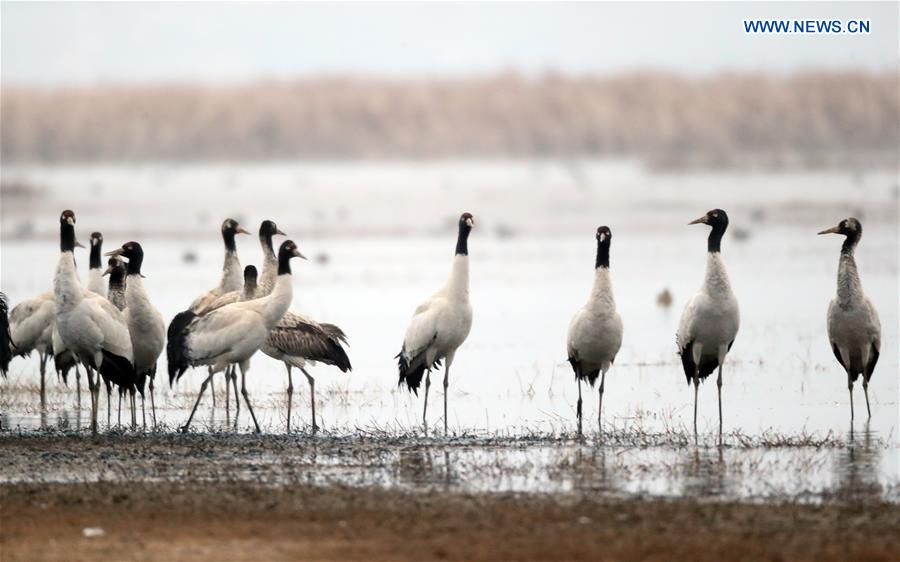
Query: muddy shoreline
{"points": [[246, 497]]}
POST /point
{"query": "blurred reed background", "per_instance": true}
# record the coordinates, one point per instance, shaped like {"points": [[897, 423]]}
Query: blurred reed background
{"points": [[735, 120], [385, 99]]}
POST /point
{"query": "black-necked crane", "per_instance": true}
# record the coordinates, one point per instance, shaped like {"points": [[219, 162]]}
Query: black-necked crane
{"points": [[260, 286], [299, 341], [63, 359], [95, 273], [711, 318], [854, 329], [31, 329], [439, 325], [249, 291], [115, 293], [231, 334], [145, 322], [595, 333], [231, 279], [90, 326]]}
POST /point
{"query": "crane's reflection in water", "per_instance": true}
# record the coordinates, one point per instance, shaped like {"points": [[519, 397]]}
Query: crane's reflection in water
{"points": [[857, 467]]}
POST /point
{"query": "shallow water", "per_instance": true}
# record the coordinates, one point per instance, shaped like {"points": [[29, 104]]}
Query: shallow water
{"points": [[844, 468], [511, 377]]}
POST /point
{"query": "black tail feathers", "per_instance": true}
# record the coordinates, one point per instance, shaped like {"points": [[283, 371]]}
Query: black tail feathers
{"points": [[6, 344], [708, 363], [176, 348], [118, 370], [412, 377], [591, 376], [412, 373], [63, 363], [337, 355]]}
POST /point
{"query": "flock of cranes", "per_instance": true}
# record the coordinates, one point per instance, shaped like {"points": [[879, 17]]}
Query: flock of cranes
{"points": [[113, 330]]}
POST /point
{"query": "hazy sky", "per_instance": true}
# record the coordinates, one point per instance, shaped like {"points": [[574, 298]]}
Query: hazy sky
{"points": [[49, 43]]}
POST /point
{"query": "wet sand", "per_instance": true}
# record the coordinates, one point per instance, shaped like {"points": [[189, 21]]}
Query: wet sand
{"points": [[242, 497]]}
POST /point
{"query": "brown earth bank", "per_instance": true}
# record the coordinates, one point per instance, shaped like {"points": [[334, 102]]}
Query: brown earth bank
{"points": [[247, 521]]}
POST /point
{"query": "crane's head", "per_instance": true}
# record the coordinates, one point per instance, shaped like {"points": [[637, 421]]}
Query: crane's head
{"points": [[115, 265], [67, 217], [289, 250], [130, 250], [269, 228], [604, 235], [231, 226], [850, 227], [716, 218]]}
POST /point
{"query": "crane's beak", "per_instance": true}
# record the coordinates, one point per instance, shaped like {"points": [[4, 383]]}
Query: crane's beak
{"points": [[298, 254], [832, 230], [109, 270], [78, 244], [241, 230], [702, 220], [278, 231], [116, 252]]}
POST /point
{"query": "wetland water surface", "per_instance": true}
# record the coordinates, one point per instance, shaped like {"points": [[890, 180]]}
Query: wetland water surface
{"points": [[512, 395]]}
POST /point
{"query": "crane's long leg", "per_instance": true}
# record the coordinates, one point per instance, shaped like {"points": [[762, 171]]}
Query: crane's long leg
{"points": [[43, 358], [119, 419], [696, 389], [203, 386], [133, 410], [578, 406], [212, 389], [425, 409], [600, 405], [446, 385], [850, 388], [152, 401], [97, 400], [312, 397], [866, 391], [90, 381], [719, 386], [228, 392], [108, 404], [78, 387], [94, 387], [237, 399], [143, 412], [246, 394], [290, 393]]}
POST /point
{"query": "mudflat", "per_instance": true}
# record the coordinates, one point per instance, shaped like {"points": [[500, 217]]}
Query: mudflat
{"points": [[162, 496]]}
